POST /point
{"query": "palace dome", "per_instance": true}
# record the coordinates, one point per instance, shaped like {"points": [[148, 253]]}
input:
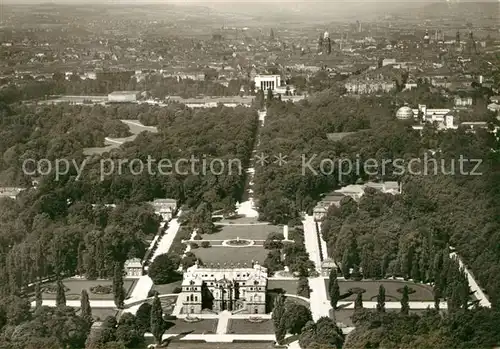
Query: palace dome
{"points": [[404, 113]]}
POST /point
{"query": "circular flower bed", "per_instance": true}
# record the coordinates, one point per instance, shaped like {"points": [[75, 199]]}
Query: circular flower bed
{"points": [[100, 289], [53, 289], [410, 290], [255, 319], [191, 319], [356, 290]]}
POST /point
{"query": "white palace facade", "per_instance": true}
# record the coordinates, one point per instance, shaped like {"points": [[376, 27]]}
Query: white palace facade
{"points": [[241, 289]]}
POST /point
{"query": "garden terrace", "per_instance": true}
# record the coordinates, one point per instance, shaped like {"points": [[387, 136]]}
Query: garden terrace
{"points": [[243, 326], [231, 255], [207, 326], [74, 289], [422, 292], [257, 231]]}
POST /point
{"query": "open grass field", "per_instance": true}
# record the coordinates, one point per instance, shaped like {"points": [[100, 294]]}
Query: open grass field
{"points": [[167, 288], [76, 286], [242, 326], [422, 292], [234, 255], [207, 326], [289, 286], [257, 231]]}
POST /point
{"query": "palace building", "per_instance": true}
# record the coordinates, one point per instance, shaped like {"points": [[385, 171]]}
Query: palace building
{"points": [[236, 289]]}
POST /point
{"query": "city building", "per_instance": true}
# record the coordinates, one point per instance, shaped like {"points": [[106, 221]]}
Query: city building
{"points": [[123, 96], [463, 101], [266, 82], [166, 208], [232, 288], [367, 86], [133, 268]]}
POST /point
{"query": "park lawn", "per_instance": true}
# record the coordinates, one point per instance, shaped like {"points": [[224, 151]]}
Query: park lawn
{"points": [[289, 286], [76, 286], [167, 288], [231, 255], [252, 232], [207, 326], [242, 326], [422, 292]]}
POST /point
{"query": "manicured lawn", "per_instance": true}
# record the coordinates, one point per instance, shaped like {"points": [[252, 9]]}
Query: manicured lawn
{"points": [[242, 326], [258, 231], [422, 292], [167, 288], [208, 326], [76, 286], [230, 255], [289, 286], [271, 296]]}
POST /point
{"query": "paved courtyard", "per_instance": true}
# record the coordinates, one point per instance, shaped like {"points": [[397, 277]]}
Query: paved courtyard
{"points": [[422, 292]]}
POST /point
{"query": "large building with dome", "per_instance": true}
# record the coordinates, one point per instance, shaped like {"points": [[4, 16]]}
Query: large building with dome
{"points": [[231, 288]]}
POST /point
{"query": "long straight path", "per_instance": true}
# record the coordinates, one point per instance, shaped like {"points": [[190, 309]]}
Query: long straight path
{"points": [[144, 284], [474, 286], [320, 306], [311, 241]]}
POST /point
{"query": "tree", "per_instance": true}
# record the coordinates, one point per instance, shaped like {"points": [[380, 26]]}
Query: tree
{"points": [[437, 297], [270, 98], [157, 323], [278, 318], [118, 290], [333, 288], [345, 264], [38, 295], [127, 331], [295, 317], [273, 261], [163, 269], [358, 303], [381, 299], [143, 318], [303, 289], [405, 304], [61, 294], [367, 263], [85, 309]]}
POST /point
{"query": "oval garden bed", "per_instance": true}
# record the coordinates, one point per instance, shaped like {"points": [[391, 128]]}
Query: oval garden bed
{"points": [[238, 243]]}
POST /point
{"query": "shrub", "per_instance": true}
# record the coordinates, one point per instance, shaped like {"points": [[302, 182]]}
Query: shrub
{"points": [[100, 289], [205, 244], [194, 245], [198, 237], [177, 290]]}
